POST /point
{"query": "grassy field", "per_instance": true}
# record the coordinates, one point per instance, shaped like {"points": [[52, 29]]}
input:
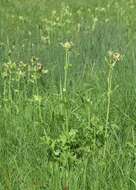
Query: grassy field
{"points": [[67, 95]]}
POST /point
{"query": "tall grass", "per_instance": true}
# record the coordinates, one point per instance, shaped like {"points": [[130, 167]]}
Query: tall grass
{"points": [[67, 117]]}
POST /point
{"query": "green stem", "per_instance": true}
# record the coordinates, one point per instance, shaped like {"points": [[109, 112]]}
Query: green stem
{"points": [[39, 102], [109, 80], [65, 88], [109, 95], [66, 70]]}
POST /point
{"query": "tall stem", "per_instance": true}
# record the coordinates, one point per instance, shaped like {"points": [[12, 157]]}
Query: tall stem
{"points": [[109, 83], [65, 88], [109, 95], [66, 70]]}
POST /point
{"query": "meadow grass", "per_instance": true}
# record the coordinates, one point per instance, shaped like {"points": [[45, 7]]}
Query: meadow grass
{"points": [[67, 106]]}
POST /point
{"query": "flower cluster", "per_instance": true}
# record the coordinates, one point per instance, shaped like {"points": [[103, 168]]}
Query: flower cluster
{"points": [[67, 45], [115, 56]]}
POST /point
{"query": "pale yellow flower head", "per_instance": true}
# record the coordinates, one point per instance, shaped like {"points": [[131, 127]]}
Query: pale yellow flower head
{"points": [[115, 56], [67, 45]]}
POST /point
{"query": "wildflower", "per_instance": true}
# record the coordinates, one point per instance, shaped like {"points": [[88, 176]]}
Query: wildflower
{"points": [[34, 59], [115, 56], [39, 67], [67, 45]]}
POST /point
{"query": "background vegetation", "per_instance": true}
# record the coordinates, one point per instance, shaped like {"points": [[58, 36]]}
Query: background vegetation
{"points": [[54, 95]]}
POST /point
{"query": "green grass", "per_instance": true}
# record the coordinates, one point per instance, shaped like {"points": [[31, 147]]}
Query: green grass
{"points": [[57, 131]]}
